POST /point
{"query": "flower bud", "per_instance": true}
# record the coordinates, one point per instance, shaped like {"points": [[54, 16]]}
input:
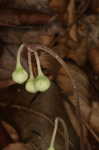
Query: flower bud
{"points": [[42, 83], [19, 75], [30, 86], [51, 148]]}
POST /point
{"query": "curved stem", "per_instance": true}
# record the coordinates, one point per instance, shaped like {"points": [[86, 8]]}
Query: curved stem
{"points": [[54, 133], [38, 64], [57, 120], [37, 47], [30, 65], [19, 55]]}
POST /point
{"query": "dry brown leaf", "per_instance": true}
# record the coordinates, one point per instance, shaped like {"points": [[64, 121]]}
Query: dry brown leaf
{"points": [[16, 146], [49, 63], [79, 55], [6, 83], [46, 39], [73, 118], [71, 18], [58, 5], [94, 6], [79, 77], [83, 90], [41, 5], [35, 121], [73, 33], [11, 131], [93, 55]]}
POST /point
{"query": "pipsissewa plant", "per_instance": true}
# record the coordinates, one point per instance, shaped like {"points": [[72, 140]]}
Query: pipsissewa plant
{"points": [[16, 75]]}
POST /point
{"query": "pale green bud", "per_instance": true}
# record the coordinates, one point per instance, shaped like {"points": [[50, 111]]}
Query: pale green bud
{"points": [[42, 83], [51, 148], [30, 86], [19, 75]]}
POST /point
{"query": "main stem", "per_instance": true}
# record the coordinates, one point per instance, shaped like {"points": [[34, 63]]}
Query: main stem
{"points": [[18, 64], [30, 65], [38, 63], [54, 133]]}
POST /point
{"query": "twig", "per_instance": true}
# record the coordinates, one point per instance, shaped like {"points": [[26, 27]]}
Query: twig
{"points": [[91, 130]]}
